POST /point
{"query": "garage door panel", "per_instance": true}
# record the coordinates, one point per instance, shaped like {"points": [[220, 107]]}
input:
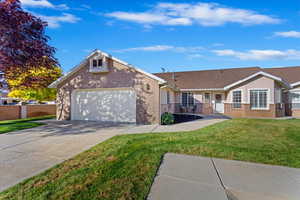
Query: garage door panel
{"points": [[105, 105]]}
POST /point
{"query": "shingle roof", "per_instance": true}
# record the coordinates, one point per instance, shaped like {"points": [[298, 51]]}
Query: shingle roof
{"points": [[289, 74], [208, 79]]}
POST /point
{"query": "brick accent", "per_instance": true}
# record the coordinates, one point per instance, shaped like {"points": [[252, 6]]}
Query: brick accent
{"points": [[245, 111], [296, 113], [40, 110], [119, 76], [280, 110], [10, 112], [207, 109]]}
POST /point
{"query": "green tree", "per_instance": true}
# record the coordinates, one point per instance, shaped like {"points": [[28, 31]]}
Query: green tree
{"points": [[38, 90]]}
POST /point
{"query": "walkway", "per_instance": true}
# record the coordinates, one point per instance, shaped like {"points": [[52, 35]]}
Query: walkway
{"points": [[199, 178]]}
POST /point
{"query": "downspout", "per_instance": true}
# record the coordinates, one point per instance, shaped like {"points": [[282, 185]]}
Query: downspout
{"points": [[159, 100], [159, 109]]}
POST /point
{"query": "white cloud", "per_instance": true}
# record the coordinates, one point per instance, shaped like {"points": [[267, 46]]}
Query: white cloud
{"points": [[291, 34], [290, 54], [55, 21], [217, 44], [43, 4], [88, 7], [149, 18], [192, 56], [204, 14], [161, 48], [37, 3]]}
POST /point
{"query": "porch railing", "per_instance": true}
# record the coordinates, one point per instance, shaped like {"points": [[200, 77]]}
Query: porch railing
{"points": [[199, 108]]}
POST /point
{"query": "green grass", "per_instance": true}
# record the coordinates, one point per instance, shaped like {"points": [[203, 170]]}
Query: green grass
{"points": [[124, 167], [20, 124]]}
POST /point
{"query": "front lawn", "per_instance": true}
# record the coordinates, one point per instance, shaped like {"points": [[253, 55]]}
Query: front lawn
{"points": [[124, 167], [19, 124]]}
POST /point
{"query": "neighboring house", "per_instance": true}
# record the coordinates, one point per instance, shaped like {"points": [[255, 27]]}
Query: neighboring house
{"points": [[105, 88], [4, 91], [237, 92]]}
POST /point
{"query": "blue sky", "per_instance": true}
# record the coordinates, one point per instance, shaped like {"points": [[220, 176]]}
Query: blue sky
{"points": [[176, 35]]}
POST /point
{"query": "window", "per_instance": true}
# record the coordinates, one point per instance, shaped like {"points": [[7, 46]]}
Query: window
{"points": [[278, 95], [259, 99], [295, 100], [94, 63], [148, 86], [296, 97], [187, 99], [100, 62], [168, 97], [97, 63], [207, 97], [237, 99]]}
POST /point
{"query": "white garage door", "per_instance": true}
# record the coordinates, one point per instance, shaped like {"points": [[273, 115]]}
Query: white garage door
{"points": [[104, 105]]}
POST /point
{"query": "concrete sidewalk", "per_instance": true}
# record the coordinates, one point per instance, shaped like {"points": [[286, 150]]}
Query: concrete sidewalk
{"points": [[198, 178], [186, 126]]}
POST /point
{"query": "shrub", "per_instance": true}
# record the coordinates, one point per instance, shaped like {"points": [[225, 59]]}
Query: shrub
{"points": [[167, 118]]}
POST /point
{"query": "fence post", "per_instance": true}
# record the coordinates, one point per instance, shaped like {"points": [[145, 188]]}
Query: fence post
{"points": [[23, 112]]}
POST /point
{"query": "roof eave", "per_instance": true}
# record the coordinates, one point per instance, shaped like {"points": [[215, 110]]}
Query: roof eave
{"points": [[202, 89], [286, 84], [295, 84]]}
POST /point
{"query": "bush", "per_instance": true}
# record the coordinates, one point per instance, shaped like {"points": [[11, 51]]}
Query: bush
{"points": [[167, 118]]}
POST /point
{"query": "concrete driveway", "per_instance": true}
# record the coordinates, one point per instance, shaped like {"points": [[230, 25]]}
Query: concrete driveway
{"points": [[28, 152]]}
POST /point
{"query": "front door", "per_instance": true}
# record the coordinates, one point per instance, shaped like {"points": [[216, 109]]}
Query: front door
{"points": [[219, 105]]}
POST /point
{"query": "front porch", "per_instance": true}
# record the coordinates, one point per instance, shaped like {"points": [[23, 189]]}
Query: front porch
{"points": [[197, 108], [193, 102]]}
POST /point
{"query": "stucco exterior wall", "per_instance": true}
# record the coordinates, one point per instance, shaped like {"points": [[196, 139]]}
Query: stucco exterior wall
{"points": [[119, 76], [260, 82], [165, 107], [295, 112]]}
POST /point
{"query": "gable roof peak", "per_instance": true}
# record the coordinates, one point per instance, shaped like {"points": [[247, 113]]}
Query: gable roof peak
{"points": [[83, 62]]}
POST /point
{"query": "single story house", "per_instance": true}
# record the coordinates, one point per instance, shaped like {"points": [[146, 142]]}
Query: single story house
{"points": [[4, 91], [105, 88]]}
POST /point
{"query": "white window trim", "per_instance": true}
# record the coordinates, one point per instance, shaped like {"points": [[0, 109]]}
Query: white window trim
{"points": [[98, 57], [168, 97], [268, 98], [292, 99], [242, 98], [187, 98], [210, 97]]}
